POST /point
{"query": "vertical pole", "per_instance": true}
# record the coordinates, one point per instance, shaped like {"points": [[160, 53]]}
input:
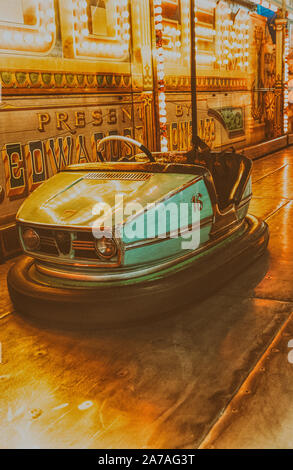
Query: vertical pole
{"points": [[280, 24], [154, 64], [159, 70], [193, 75]]}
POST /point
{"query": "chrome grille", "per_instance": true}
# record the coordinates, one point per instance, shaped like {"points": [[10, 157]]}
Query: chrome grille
{"points": [[111, 175], [83, 245]]}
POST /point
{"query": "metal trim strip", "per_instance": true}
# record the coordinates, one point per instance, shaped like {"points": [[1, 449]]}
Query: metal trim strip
{"points": [[141, 243], [55, 272]]}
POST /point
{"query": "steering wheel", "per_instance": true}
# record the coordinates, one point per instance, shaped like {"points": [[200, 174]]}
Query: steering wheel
{"points": [[122, 138]]}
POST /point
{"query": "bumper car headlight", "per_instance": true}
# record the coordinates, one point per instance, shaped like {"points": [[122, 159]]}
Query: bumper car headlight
{"points": [[106, 248], [30, 239]]}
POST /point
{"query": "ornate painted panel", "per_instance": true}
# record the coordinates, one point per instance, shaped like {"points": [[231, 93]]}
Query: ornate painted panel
{"points": [[72, 71]]}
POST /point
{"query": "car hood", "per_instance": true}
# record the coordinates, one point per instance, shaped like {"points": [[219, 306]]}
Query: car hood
{"points": [[70, 198]]}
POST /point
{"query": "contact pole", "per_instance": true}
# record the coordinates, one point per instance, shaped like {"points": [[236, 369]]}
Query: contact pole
{"points": [[193, 75]]}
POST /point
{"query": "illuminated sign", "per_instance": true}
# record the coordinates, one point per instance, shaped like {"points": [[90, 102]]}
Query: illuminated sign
{"points": [[101, 28], [27, 26], [232, 38], [11, 11]]}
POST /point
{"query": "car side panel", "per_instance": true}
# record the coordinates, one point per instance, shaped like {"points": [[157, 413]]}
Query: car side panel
{"points": [[159, 241]]}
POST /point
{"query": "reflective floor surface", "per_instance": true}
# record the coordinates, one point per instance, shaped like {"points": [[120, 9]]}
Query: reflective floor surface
{"points": [[214, 375]]}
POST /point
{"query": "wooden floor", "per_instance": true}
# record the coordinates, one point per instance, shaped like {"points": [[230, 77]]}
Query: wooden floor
{"points": [[214, 375]]}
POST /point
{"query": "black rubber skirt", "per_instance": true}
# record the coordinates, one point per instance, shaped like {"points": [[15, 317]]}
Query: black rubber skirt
{"points": [[113, 303]]}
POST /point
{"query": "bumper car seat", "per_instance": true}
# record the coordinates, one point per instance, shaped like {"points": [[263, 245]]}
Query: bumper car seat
{"points": [[230, 172]]}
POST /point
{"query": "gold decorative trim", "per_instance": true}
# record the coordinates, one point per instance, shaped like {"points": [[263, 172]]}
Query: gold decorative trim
{"points": [[31, 82], [206, 83]]}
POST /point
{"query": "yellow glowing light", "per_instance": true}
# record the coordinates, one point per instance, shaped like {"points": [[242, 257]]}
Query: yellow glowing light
{"points": [[160, 57], [204, 32], [206, 4], [286, 78], [33, 39], [231, 38], [205, 59], [171, 31], [91, 46]]}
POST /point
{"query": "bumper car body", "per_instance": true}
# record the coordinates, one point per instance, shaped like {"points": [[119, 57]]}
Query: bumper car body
{"points": [[137, 265]]}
